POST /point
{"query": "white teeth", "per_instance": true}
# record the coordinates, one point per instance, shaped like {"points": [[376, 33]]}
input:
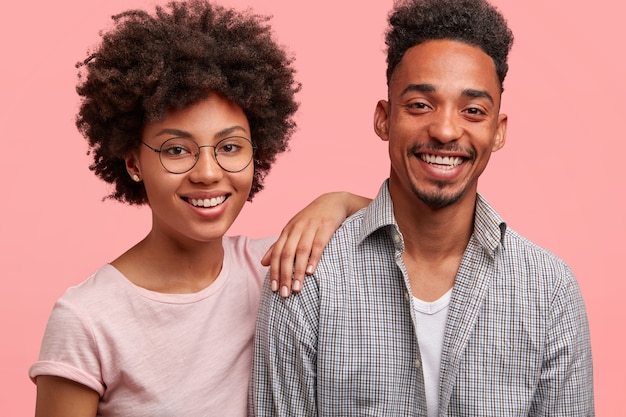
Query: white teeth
{"points": [[208, 202], [451, 161]]}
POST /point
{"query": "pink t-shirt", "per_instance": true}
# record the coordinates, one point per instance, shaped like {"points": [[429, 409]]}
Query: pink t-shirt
{"points": [[154, 354]]}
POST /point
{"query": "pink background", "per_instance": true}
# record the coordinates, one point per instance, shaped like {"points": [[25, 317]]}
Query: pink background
{"points": [[559, 180]]}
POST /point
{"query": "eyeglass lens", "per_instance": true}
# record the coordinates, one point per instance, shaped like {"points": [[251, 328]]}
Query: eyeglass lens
{"points": [[179, 155]]}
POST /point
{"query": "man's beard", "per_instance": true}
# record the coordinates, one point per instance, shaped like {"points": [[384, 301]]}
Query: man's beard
{"points": [[438, 199]]}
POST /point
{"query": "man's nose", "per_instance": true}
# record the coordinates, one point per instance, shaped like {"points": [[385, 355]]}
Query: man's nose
{"points": [[445, 125]]}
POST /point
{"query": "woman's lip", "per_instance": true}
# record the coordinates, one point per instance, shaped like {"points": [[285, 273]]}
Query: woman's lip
{"points": [[201, 195], [207, 202]]}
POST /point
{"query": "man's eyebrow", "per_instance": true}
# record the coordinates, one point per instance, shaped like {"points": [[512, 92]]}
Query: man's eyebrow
{"points": [[472, 93], [429, 88], [421, 88]]}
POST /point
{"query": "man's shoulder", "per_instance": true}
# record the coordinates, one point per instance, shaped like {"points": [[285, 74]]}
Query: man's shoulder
{"points": [[347, 235], [367, 221], [515, 248], [519, 249], [353, 223]]}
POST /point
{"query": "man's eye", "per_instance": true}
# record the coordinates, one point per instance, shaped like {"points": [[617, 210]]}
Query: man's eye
{"points": [[417, 106], [474, 110]]}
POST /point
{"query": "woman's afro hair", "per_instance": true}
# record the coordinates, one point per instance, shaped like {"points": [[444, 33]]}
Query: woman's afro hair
{"points": [[148, 64], [474, 22]]}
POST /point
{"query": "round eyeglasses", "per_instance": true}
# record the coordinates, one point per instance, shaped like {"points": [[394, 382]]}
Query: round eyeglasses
{"points": [[180, 155]]}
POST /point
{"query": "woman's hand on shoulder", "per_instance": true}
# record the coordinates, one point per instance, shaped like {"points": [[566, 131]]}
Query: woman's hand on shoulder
{"points": [[299, 247]]}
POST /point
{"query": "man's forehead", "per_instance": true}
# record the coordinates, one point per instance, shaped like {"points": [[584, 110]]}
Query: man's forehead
{"points": [[434, 64]]}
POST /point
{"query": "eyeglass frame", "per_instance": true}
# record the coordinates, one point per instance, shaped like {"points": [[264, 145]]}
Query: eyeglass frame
{"points": [[160, 150]]}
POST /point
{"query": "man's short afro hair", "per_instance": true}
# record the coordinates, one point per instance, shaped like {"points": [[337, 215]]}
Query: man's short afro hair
{"points": [[474, 22]]}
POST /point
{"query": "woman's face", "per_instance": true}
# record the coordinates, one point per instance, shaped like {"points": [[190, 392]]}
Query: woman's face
{"points": [[201, 204]]}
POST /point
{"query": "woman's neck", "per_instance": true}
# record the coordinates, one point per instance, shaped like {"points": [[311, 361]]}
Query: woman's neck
{"points": [[169, 266]]}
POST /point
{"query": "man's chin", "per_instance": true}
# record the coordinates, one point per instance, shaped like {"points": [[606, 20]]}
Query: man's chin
{"points": [[438, 200]]}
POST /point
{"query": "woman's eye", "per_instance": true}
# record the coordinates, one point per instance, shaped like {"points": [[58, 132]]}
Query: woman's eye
{"points": [[229, 148], [176, 151]]}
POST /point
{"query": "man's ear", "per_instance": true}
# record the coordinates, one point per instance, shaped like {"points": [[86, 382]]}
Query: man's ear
{"points": [[381, 120], [500, 135]]}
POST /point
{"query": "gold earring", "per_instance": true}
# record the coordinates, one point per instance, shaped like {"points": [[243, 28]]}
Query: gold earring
{"points": [[136, 178]]}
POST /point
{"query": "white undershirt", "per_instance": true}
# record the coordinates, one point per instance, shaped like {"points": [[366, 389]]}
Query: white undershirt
{"points": [[430, 327]]}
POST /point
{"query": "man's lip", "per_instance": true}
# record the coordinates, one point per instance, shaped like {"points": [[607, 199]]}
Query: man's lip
{"points": [[448, 150], [451, 160], [445, 170]]}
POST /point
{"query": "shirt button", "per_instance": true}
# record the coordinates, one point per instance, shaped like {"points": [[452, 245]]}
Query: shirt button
{"points": [[418, 363], [396, 238], [406, 295]]}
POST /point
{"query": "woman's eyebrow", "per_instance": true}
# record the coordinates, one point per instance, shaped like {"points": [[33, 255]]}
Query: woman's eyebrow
{"points": [[175, 132], [230, 130]]}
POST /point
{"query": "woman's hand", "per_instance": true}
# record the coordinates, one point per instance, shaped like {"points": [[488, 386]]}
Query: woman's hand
{"points": [[302, 241]]}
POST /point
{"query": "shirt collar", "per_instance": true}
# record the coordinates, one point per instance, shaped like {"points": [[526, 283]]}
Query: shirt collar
{"points": [[379, 213], [489, 228]]}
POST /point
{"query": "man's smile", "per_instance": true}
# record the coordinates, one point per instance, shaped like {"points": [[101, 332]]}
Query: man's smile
{"points": [[449, 161]]}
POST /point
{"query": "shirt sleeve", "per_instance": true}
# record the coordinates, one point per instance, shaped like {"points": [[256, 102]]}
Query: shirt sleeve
{"points": [[284, 366], [566, 382], [68, 349]]}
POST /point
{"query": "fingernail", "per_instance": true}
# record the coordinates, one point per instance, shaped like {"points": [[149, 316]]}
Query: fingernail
{"points": [[284, 291], [296, 285], [309, 269], [274, 285]]}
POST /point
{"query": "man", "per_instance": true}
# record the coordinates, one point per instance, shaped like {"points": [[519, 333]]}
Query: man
{"points": [[426, 303]]}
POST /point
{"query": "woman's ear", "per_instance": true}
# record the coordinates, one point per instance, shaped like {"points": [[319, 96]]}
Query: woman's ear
{"points": [[132, 166]]}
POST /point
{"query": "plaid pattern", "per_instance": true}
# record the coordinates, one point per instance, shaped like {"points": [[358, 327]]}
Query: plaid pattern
{"points": [[516, 340]]}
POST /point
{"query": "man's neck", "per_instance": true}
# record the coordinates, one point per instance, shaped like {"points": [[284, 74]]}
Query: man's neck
{"points": [[436, 232], [435, 240]]}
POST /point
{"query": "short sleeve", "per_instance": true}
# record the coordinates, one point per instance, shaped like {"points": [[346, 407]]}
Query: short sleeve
{"points": [[69, 349]]}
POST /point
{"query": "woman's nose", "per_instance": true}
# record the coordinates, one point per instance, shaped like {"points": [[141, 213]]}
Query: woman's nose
{"points": [[206, 169]]}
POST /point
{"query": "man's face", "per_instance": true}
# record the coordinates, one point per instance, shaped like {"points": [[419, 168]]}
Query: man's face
{"points": [[442, 122]]}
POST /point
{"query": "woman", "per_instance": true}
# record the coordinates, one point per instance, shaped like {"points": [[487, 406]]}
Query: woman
{"points": [[185, 111]]}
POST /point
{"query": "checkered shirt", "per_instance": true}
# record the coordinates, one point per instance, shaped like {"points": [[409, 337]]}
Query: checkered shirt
{"points": [[516, 340]]}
